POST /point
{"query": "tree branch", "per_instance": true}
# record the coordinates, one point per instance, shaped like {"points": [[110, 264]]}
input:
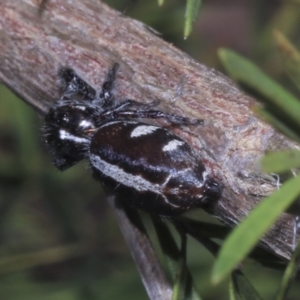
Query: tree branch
{"points": [[88, 36]]}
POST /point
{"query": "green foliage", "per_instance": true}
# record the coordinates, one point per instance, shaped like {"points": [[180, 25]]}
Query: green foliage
{"points": [[289, 275], [183, 287], [247, 73], [290, 56], [191, 14], [192, 11], [279, 162], [241, 289]]}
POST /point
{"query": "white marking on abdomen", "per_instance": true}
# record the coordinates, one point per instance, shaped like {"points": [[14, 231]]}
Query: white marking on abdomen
{"points": [[143, 130], [132, 181], [172, 145]]}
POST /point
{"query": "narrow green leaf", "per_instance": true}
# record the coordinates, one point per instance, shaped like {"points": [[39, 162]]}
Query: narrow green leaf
{"points": [[289, 274], [160, 2], [183, 282], [241, 288], [232, 294], [278, 162], [290, 56], [244, 237], [181, 276], [168, 245], [246, 72], [191, 14], [276, 123]]}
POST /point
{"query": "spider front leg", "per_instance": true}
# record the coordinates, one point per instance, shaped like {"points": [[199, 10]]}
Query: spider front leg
{"points": [[127, 104], [105, 98], [74, 87]]}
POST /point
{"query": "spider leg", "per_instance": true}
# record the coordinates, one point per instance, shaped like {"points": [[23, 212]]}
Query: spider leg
{"points": [[111, 113], [132, 104], [75, 87], [105, 97], [150, 114], [151, 104], [126, 104]]}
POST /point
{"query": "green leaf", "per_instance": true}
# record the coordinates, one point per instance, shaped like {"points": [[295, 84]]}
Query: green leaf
{"points": [[168, 245], [176, 260], [191, 14], [290, 56], [180, 281], [278, 162], [289, 274], [245, 236], [246, 72], [160, 2], [241, 289], [288, 131]]}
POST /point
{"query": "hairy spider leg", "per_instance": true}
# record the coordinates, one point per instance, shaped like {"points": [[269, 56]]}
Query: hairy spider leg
{"points": [[73, 85], [129, 103], [149, 114], [106, 97]]}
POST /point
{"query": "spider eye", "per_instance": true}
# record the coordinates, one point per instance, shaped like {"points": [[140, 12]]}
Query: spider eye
{"points": [[65, 119]]}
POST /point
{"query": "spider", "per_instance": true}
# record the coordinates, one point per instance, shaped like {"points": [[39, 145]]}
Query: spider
{"points": [[150, 167]]}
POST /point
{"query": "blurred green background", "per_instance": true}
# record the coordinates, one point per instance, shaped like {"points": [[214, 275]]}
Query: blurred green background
{"points": [[59, 239]]}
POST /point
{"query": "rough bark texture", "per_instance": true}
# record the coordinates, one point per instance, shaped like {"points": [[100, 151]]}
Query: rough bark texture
{"points": [[36, 41]]}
